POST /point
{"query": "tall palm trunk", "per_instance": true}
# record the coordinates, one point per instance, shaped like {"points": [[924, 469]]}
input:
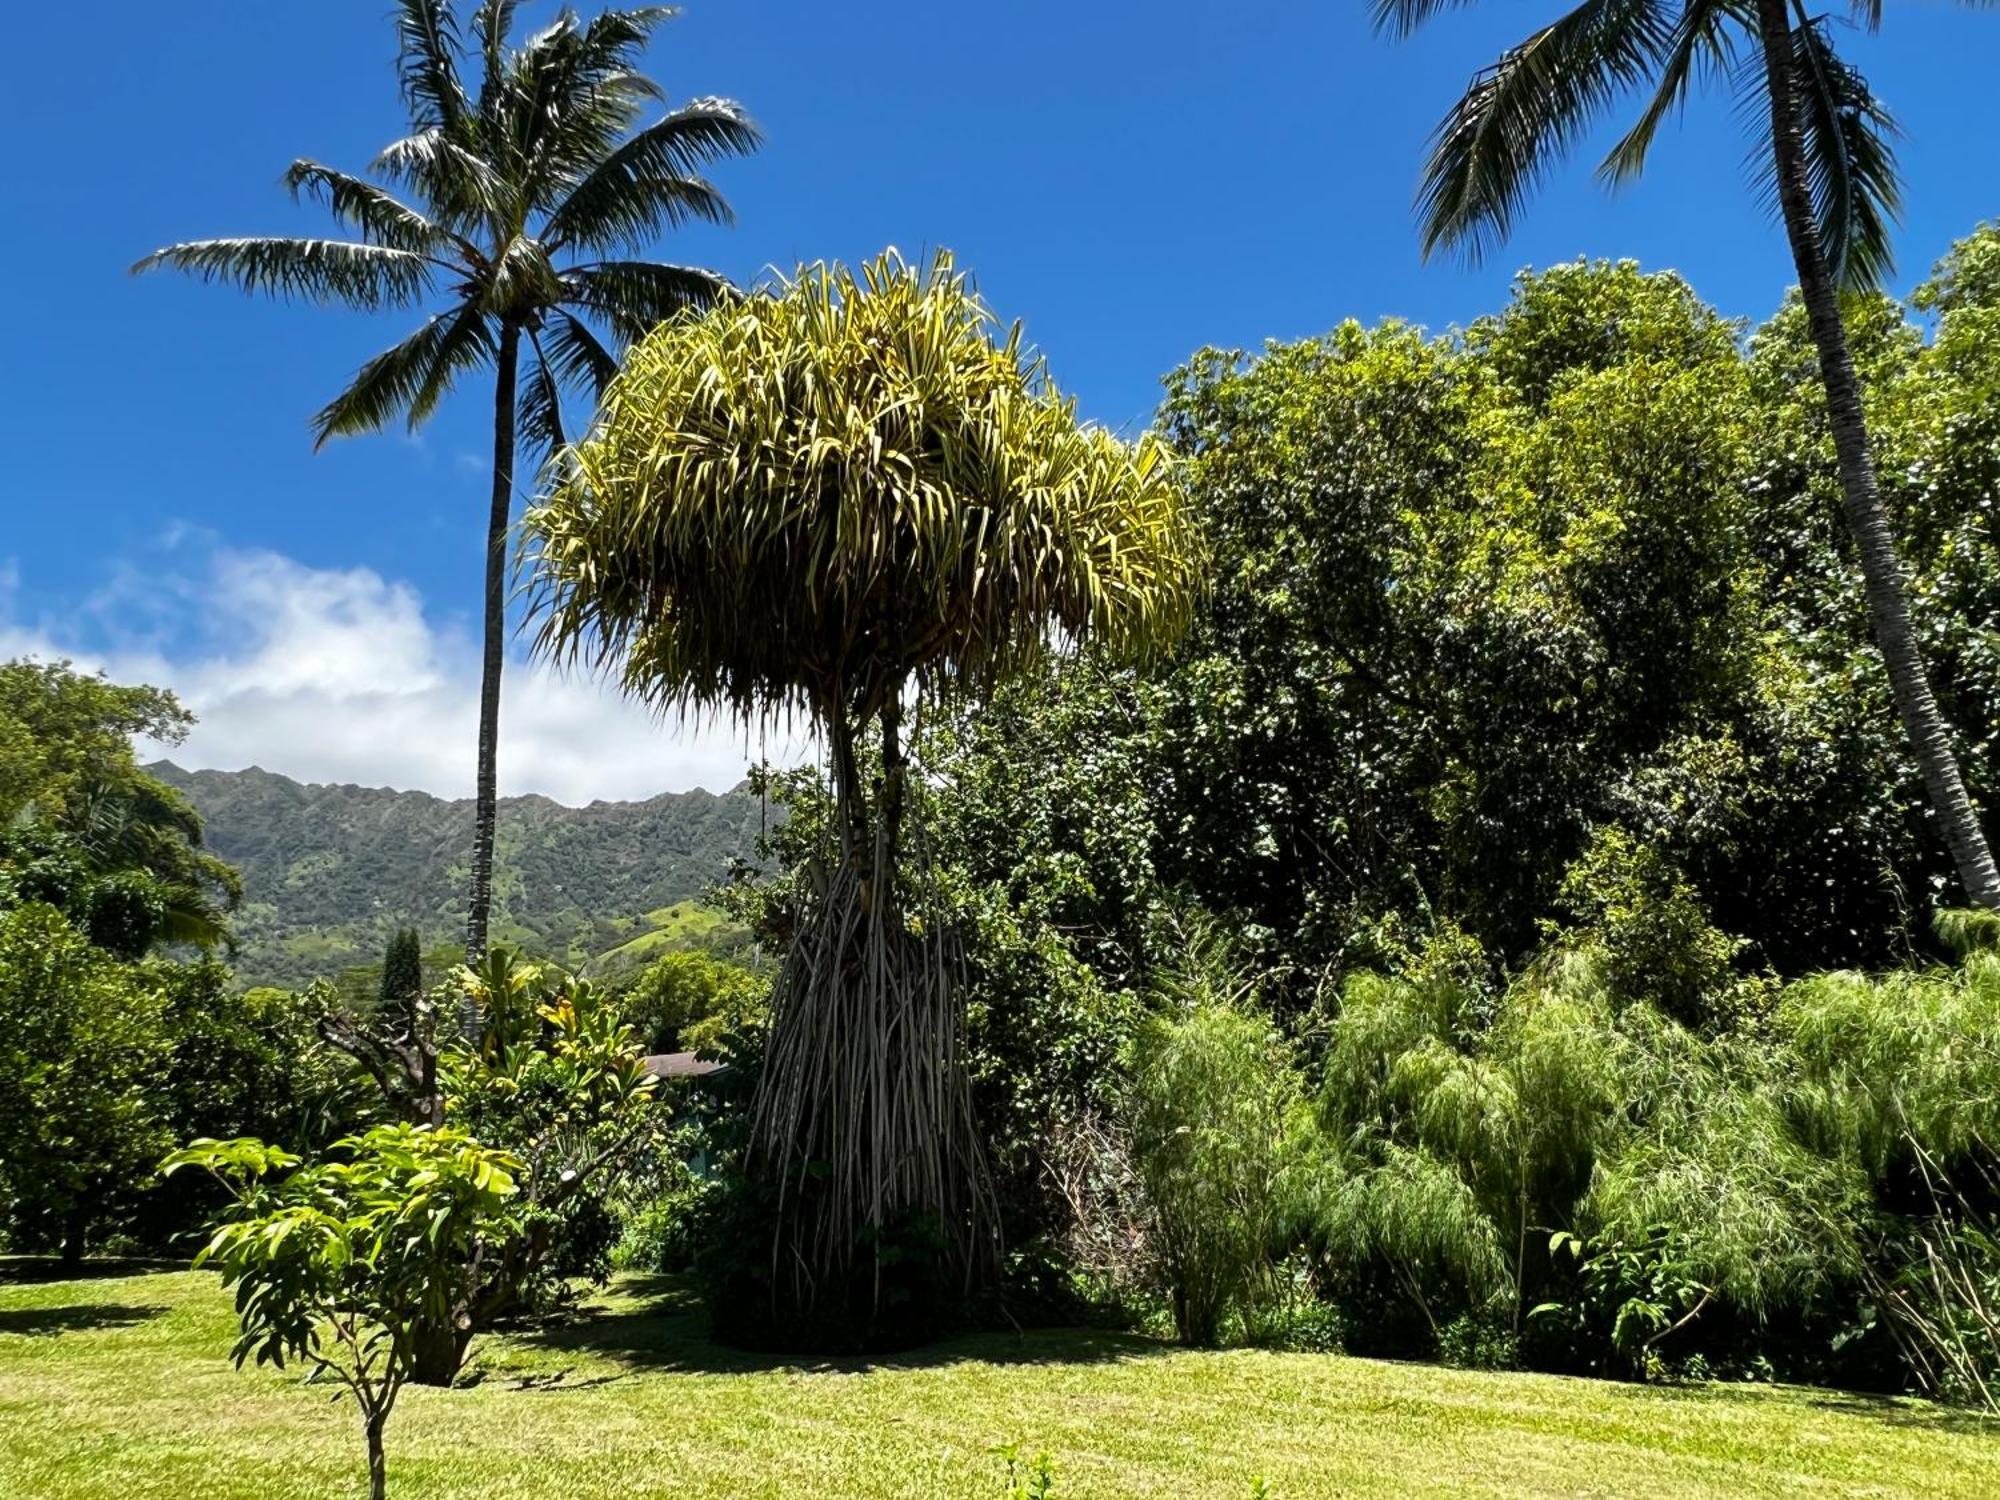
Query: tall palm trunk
{"points": [[484, 810], [1881, 567]]}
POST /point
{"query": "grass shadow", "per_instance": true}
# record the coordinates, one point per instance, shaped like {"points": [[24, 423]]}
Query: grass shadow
{"points": [[1916, 1413], [1903, 1411], [32, 1270], [658, 1323], [78, 1317]]}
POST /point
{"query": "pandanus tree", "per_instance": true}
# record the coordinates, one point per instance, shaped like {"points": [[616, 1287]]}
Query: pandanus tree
{"points": [[531, 194], [1825, 157], [843, 496]]}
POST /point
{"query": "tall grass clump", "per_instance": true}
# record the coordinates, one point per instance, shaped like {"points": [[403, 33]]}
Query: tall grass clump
{"points": [[1897, 1078], [1558, 1157], [1212, 1108]]}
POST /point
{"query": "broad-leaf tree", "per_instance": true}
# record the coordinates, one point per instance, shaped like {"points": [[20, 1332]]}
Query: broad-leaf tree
{"points": [[83, 828], [843, 496], [83, 1049], [524, 200], [1825, 157]]}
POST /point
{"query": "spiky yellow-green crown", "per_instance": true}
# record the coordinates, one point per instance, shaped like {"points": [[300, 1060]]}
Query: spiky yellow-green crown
{"points": [[816, 492]]}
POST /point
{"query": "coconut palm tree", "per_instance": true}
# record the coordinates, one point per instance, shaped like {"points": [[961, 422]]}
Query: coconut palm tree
{"points": [[842, 496], [1825, 158], [531, 195]]}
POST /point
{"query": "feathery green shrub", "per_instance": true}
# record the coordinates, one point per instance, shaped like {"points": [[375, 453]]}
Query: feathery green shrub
{"points": [[1214, 1130]]}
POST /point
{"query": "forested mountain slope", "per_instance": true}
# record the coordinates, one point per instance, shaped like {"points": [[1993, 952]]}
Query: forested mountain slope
{"points": [[330, 871]]}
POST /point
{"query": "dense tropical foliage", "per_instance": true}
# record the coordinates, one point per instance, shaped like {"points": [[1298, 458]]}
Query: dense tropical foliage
{"points": [[1461, 846], [1823, 154], [1502, 927], [1433, 955]]}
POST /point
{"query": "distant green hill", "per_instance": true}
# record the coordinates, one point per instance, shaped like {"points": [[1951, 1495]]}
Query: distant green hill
{"points": [[330, 871], [685, 924]]}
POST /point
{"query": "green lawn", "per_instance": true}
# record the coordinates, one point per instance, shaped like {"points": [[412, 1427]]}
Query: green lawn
{"points": [[118, 1387]]}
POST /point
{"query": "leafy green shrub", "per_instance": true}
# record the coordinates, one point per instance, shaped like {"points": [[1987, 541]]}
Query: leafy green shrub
{"points": [[669, 1197], [83, 1043], [1466, 1143], [1479, 1341], [349, 1263], [1028, 1478], [1655, 936], [1877, 1069], [688, 1001], [557, 1077], [1941, 1300], [1897, 1077]]}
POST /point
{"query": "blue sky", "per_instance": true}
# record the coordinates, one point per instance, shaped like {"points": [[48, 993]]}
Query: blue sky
{"points": [[1133, 182]]}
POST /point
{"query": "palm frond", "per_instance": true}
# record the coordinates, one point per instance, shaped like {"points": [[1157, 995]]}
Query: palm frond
{"points": [[343, 271], [461, 187], [573, 90], [538, 417], [1701, 49], [1521, 114], [635, 296], [361, 205], [408, 379], [1850, 156], [653, 181], [579, 356], [190, 919], [569, 359], [1850, 135], [427, 47], [491, 24], [1402, 18]]}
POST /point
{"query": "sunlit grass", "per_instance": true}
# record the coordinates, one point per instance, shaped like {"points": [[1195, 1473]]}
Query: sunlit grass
{"points": [[685, 924], [119, 1387]]}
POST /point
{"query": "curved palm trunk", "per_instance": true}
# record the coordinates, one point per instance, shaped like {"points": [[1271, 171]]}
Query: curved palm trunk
{"points": [[484, 808], [1881, 567]]}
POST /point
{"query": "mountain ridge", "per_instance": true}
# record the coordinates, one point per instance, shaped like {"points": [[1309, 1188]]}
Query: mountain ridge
{"points": [[330, 870]]}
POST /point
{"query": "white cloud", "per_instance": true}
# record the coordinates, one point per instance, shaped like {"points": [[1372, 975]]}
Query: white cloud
{"points": [[338, 675]]}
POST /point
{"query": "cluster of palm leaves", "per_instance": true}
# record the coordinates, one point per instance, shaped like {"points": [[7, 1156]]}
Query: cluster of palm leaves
{"points": [[811, 497], [1543, 95]]}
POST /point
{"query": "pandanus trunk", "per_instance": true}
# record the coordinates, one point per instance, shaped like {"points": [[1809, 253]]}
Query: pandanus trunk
{"points": [[862, 1127], [1881, 567], [485, 803]]}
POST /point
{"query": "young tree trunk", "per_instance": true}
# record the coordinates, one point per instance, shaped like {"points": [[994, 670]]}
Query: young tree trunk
{"points": [[76, 1226], [495, 630], [378, 1462], [437, 1352], [1881, 567]]}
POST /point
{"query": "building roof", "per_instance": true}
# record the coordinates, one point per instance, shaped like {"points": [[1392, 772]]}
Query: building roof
{"points": [[682, 1065]]}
